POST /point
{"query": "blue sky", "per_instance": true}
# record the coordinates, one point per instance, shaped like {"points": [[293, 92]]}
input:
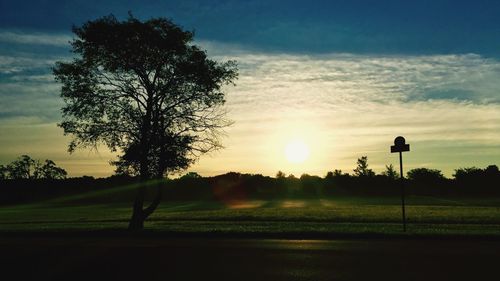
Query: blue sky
{"points": [[346, 76], [354, 26]]}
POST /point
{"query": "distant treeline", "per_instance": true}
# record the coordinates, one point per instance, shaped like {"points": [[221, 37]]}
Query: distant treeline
{"points": [[470, 182], [25, 167]]}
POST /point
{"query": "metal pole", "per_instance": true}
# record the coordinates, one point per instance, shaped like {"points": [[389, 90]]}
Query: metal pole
{"points": [[402, 190]]}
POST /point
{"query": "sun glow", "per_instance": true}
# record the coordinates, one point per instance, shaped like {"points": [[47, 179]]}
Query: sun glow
{"points": [[296, 151]]}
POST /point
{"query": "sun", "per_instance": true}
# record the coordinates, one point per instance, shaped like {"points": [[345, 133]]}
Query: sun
{"points": [[296, 151]]}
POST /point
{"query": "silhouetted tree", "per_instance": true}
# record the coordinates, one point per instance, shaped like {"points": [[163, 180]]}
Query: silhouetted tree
{"points": [[280, 175], [362, 168], [338, 173], [492, 170], [191, 175], [311, 185], [142, 89], [426, 176], [49, 170], [333, 174], [468, 174], [492, 178], [484, 181], [390, 172], [27, 168], [430, 181], [23, 167]]}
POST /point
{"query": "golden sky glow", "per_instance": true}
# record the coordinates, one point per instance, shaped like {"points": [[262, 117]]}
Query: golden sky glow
{"points": [[340, 107]]}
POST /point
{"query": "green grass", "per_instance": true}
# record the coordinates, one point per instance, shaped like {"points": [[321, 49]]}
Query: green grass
{"points": [[346, 215]]}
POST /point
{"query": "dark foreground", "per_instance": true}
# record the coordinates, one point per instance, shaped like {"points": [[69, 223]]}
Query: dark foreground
{"points": [[154, 258]]}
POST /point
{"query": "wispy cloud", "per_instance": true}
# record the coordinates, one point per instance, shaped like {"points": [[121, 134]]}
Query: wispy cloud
{"points": [[347, 105], [12, 37], [28, 91], [376, 78], [32, 102], [342, 105], [15, 64]]}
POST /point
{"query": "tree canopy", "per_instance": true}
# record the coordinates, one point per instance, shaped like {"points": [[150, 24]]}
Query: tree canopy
{"points": [[425, 175], [142, 89], [362, 168], [390, 172], [25, 167]]}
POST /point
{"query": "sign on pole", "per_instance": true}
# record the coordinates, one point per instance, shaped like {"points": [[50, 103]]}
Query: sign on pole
{"points": [[401, 146]]}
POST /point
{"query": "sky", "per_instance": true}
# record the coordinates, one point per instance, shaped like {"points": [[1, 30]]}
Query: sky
{"points": [[343, 78]]}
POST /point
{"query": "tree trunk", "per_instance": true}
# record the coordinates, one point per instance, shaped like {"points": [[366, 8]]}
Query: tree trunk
{"points": [[137, 220], [156, 201], [139, 214]]}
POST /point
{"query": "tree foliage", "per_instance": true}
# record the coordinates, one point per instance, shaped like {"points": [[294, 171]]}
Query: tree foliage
{"points": [[473, 176], [49, 170], [25, 167], [425, 175], [362, 169], [142, 88], [390, 172], [280, 175], [468, 173], [191, 175]]}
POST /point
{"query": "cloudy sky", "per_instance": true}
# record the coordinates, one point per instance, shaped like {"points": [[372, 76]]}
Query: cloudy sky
{"points": [[342, 77]]}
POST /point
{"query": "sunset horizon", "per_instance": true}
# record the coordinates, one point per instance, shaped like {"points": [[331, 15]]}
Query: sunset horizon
{"points": [[324, 83]]}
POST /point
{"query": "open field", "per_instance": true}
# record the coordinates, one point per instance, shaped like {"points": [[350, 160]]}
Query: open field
{"points": [[318, 217]]}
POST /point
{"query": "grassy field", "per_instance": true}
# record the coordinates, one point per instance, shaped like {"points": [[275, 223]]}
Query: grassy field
{"points": [[338, 216]]}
